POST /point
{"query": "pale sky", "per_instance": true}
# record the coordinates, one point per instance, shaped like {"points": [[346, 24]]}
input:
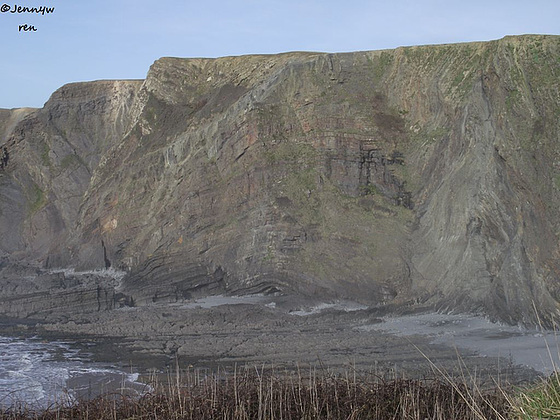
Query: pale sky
{"points": [[119, 39]]}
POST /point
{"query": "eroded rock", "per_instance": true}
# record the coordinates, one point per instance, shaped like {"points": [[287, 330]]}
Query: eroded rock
{"points": [[422, 175]]}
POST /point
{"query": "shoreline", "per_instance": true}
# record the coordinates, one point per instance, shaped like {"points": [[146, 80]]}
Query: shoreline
{"points": [[160, 338]]}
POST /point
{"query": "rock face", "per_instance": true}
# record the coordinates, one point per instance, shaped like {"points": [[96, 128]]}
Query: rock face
{"points": [[416, 176]]}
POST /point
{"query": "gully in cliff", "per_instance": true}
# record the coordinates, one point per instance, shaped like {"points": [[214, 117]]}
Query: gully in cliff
{"points": [[5, 157]]}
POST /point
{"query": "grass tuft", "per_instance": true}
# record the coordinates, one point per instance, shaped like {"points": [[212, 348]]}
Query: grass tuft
{"points": [[541, 401]]}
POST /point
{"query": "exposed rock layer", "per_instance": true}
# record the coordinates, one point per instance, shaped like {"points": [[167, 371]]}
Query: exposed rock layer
{"points": [[422, 175]]}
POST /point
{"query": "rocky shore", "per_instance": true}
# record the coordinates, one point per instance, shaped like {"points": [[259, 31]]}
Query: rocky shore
{"points": [[277, 332], [222, 330]]}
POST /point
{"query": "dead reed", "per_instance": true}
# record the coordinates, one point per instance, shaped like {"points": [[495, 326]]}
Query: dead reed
{"points": [[264, 394]]}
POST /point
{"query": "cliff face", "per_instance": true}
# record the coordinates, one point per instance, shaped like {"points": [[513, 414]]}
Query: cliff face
{"points": [[423, 175]]}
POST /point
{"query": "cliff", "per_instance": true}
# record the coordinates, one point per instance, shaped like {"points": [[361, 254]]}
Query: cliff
{"points": [[421, 176]]}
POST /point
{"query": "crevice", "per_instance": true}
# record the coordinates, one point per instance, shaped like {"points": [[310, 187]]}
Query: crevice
{"points": [[105, 259], [4, 158], [98, 298]]}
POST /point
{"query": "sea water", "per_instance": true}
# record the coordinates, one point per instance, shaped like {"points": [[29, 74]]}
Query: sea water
{"points": [[37, 374]]}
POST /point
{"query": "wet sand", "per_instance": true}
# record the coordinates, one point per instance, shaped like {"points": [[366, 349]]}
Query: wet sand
{"points": [[535, 348]]}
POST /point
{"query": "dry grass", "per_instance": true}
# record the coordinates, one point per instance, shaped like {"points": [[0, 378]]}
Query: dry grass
{"points": [[258, 393]]}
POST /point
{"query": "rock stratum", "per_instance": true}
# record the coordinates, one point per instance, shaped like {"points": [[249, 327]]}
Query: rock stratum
{"points": [[415, 177]]}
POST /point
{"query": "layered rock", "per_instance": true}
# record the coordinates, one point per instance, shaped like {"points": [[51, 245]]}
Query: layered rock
{"points": [[416, 176]]}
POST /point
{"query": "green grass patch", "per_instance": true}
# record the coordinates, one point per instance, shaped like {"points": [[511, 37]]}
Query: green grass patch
{"points": [[300, 187], [37, 199], [541, 401], [151, 115], [369, 189], [380, 64], [45, 159], [557, 181], [429, 135], [290, 152], [70, 161]]}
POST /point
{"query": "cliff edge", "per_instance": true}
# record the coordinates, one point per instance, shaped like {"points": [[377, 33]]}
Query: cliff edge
{"points": [[421, 176]]}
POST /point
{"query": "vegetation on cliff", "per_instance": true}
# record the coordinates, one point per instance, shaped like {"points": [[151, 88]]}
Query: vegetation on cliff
{"points": [[416, 176]]}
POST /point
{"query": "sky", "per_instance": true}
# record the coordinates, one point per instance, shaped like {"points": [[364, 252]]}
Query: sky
{"points": [[85, 40]]}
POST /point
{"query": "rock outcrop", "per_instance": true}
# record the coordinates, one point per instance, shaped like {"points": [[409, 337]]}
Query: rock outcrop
{"points": [[415, 176]]}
